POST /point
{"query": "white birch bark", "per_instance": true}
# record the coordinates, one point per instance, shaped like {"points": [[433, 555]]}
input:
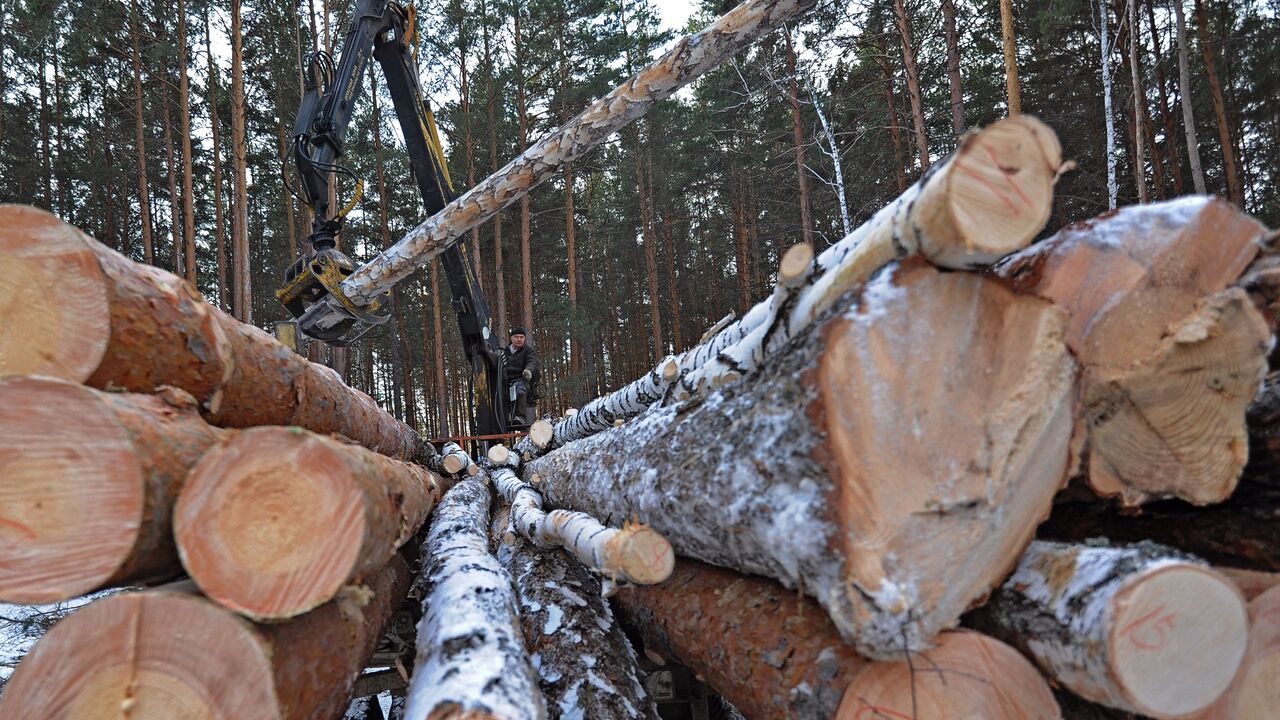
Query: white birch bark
{"points": [[453, 459], [1113, 189], [1184, 99], [833, 152], [471, 658]]}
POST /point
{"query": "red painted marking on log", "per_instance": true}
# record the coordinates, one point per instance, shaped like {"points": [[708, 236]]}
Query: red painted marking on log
{"points": [[1140, 631], [659, 556], [25, 530], [1007, 177], [866, 712], [994, 190]]}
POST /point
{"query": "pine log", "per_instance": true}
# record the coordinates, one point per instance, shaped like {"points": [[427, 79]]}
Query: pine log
{"points": [[471, 660], [635, 553], [1142, 628], [986, 200], [775, 654], [1250, 583], [586, 667], [80, 311], [167, 653], [89, 482], [892, 464], [275, 521], [1255, 692], [1170, 356]]}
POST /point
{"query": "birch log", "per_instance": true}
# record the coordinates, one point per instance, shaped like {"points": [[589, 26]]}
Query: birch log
{"points": [[471, 660], [635, 553], [277, 521], [167, 653], [776, 656], [453, 459], [80, 311], [89, 482], [986, 200], [586, 667], [892, 464], [1255, 692], [1170, 354], [1142, 628]]}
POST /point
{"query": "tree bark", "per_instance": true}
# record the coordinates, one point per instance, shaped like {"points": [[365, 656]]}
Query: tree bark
{"points": [[522, 113], [100, 472], [119, 655], [242, 298], [184, 119], [219, 225], [1171, 354], [913, 85], [1139, 106], [175, 225], [958, 125], [442, 392], [1104, 22], [1141, 628], [797, 131], [673, 319], [1254, 693], [1173, 162], [644, 198], [1003, 401], [1184, 98], [895, 134], [276, 521], [140, 141], [1230, 169]]}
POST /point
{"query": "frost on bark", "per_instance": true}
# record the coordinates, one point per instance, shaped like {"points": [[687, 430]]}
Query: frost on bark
{"points": [[1142, 628], [471, 658], [891, 462]]}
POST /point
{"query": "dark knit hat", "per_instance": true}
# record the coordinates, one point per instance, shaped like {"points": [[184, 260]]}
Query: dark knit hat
{"points": [[517, 331]]}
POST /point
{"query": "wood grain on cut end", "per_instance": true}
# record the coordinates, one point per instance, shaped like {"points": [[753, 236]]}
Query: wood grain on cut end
{"points": [[968, 675], [1177, 637], [643, 554], [498, 454], [795, 265], [272, 523], [53, 298], [540, 434], [1255, 692], [73, 491], [145, 656]]}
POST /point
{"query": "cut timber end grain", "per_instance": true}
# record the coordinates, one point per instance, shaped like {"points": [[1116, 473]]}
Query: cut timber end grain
{"points": [[643, 554], [540, 434], [53, 301], [278, 520], [1255, 692], [796, 264]]}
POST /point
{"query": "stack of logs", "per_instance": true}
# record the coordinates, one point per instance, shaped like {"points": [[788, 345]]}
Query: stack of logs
{"points": [[940, 473]]}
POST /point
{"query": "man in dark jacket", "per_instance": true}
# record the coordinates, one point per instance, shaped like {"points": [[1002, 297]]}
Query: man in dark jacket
{"points": [[522, 371]]}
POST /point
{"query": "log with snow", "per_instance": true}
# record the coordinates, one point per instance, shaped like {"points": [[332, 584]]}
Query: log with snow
{"points": [[892, 463]]}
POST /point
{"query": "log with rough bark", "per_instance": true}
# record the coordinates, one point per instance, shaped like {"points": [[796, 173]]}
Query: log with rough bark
{"points": [[76, 309], [276, 521], [1170, 354], [1141, 628], [775, 655], [471, 660], [168, 653], [986, 200], [586, 667], [1255, 692], [89, 482], [892, 464], [635, 553]]}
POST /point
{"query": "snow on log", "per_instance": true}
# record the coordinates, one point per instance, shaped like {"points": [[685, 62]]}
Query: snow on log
{"points": [[89, 481], [167, 653], [586, 667], [471, 660], [1141, 628], [636, 553], [276, 521], [1255, 692], [986, 200], [688, 58], [892, 464], [85, 313], [453, 459], [1171, 354], [774, 654]]}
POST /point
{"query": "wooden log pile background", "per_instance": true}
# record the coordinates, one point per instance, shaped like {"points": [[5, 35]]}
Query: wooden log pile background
{"points": [[942, 472]]}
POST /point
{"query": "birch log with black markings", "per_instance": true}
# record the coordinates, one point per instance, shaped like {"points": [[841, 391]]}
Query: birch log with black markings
{"points": [[892, 462], [471, 660], [276, 521], [1170, 353], [168, 653], [453, 459], [89, 480], [1142, 628]]}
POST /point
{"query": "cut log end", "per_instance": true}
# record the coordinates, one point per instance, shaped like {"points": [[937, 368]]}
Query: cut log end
{"points": [[540, 434], [53, 297], [1000, 192], [670, 370], [499, 454], [271, 524], [795, 265], [454, 464], [1178, 637], [642, 554], [73, 495]]}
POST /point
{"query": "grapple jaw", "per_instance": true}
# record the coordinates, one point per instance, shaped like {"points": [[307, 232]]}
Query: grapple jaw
{"points": [[312, 292]]}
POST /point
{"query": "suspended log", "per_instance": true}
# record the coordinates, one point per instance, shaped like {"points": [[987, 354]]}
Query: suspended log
{"points": [[89, 482], [471, 660], [635, 553], [986, 200], [586, 667], [1170, 355], [121, 325], [1255, 692], [892, 464], [1141, 628], [775, 654], [277, 521], [168, 653]]}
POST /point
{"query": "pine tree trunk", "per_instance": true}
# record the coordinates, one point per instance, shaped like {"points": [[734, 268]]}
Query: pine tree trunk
{"points": [[913, 85], [46, 153], [1184, 97], [469, 147], [188, 180], [958, 124], [1173, 161], [673, 320], [797, 131], [140, 141], [522, 112], [242, 297], [282, 142], [175, 225], [1013, 88], [442, 397], [571, 254], [644, 198], [500, 291], [219, 225], [895, 134], [1230, 169], [1139, 106]]}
